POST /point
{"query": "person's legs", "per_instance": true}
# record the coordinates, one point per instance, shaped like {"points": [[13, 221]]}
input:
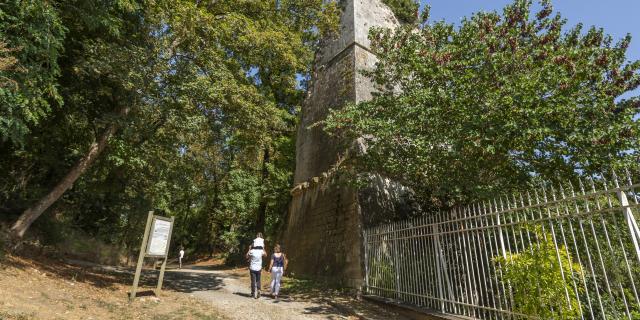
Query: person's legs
{"points": [[277, 277], [273, 280], [258, 286], [253, 282]]}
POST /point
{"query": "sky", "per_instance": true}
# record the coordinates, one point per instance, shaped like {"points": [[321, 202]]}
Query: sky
{"points": [[616, 17]]}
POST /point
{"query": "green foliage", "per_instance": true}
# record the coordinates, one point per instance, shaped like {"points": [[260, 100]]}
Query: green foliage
{"points": [[541, 279], [405, 10], [209, 85], [487, 107], [32, 34], [384, 275]]}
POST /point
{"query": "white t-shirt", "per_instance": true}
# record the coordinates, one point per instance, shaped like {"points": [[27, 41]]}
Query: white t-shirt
{"points": [[181, 254], [258, 242], [255, 259]]}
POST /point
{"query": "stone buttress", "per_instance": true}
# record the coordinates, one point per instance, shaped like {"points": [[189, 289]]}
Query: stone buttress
{"points": [[323, 232]]}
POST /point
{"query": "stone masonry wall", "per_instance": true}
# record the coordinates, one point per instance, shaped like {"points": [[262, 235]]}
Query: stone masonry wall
{"points": [[323, 235]]}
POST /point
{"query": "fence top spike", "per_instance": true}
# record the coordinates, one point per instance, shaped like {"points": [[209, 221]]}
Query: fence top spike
{"points": [[544, 193], [521, 198], [553, 191], [515, 201], [562, 189], [592, 183], [501, 203], [535, 194], [614, 176], [581, 185], [628, 175]]}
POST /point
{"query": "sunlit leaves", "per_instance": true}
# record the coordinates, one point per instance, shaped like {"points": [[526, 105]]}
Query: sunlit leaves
{"points": [[494, 103]]}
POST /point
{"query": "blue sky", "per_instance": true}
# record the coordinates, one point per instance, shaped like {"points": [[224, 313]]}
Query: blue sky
{"points": [[617, 17]]}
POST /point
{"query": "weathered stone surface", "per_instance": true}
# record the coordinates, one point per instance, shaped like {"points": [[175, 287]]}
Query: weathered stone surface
{"points": [[336, 80], [323, 235]]}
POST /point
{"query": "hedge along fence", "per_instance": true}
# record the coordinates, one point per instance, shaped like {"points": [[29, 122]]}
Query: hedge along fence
{"points": [[561, 253]]}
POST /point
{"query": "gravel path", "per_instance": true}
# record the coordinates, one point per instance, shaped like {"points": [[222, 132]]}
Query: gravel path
{"points": [[230, 294]]}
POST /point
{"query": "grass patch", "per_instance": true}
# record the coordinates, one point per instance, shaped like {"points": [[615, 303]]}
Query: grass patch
{"points": [[106, 305], [308, 287], [15, 316]]}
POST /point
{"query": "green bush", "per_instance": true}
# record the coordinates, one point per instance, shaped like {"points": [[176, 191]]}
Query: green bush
{"points": [[383, 275], [535, 277]]}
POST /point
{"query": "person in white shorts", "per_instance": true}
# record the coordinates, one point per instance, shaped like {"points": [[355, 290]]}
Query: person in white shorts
{"points": [[277, 267]]}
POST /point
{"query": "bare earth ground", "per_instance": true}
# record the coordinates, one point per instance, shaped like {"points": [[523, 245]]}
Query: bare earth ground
{"points": [[50, 289]]}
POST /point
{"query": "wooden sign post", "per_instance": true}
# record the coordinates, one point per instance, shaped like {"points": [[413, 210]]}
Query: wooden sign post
{"points": [[155, 244]]}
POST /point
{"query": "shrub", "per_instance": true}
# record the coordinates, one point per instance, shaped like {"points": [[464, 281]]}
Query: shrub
{"points": [[536, 279]]}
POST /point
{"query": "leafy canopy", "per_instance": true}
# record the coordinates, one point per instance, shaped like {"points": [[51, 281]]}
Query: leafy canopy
{"points": [[31, 35], [210, 85], [490, 106]]}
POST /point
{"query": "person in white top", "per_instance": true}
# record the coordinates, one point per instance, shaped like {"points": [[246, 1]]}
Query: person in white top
{"points": [[180, 258], [255, 269]]}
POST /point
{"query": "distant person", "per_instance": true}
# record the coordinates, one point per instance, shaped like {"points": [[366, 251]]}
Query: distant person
{"points": [[258, 242], [180, 256], [277, 267], [255, 268]]}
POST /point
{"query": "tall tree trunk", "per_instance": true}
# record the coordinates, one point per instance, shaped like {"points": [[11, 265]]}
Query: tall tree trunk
{"points": [[262, 210], [34, 212]]}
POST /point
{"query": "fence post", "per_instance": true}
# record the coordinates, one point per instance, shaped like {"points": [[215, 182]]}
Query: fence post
{"points": [[631, 222], [366, 262], [395, 259], [436, 249]]}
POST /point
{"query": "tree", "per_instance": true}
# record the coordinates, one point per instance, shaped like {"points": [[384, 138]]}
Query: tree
{"points": [[185, 97], [494, 104], [111, 81]]}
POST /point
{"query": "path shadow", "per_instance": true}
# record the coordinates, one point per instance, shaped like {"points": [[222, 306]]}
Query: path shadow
{"points": [[326, 311], [244, 294], [70, 272], [145, 293], [217, 267], [185, 282]]}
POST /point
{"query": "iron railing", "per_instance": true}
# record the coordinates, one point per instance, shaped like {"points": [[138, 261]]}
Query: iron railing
{"points": [[554, 253]]}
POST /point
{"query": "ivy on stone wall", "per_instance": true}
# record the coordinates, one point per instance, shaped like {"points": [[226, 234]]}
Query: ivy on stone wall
{"points": [[405, 10]]}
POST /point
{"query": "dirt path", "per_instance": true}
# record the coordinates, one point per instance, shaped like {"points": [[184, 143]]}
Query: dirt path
{"points": [[51, 289], [228, 292]]}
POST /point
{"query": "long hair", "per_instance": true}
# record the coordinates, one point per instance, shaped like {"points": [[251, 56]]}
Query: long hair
{"points": [[276, 249]]}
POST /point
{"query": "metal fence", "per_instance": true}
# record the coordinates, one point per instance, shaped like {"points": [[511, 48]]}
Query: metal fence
{"points": [[553, 253]]}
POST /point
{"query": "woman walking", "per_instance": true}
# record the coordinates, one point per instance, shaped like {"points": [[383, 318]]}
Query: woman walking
{"points": [[277, 266]]}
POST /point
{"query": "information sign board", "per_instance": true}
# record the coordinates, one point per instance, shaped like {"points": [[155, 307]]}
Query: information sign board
{"points": [[159, 242]]}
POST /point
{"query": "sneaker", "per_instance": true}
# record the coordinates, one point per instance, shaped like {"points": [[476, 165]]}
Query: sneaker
{"points": [[258, 295]]}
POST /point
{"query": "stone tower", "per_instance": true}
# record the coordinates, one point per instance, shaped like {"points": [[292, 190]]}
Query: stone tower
{"points": [[323, 235]]}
